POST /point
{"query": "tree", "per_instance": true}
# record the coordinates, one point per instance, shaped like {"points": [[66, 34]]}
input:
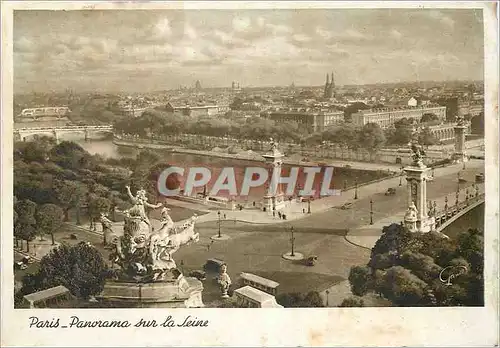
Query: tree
{"points": [[97, 205], [401, 133], [49, 219], [371, 137], [353, 301], [311, 299], [80, 268], [427, 138], [429, 116], [24, 228], [69, 194], [359, 278], [402, 287]]}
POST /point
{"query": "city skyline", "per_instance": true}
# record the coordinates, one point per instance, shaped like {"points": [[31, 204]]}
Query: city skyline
{"points": [[145, 50]]}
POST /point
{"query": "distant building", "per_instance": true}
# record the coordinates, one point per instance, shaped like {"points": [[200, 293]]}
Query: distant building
{"points": [[329, 90], [386, 117], [314, 120], [50, 113], [470, 109], [418, 101], [199, 110]]}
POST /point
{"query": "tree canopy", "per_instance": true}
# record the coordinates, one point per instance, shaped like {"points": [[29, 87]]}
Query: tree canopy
{"points": [[406, 268]]}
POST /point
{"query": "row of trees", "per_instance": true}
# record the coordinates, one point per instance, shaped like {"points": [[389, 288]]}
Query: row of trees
{"points": [[406, 269], [162, 123], [370, 137]]}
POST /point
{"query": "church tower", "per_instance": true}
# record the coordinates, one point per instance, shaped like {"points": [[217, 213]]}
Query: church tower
{"points": [[327, 86]]}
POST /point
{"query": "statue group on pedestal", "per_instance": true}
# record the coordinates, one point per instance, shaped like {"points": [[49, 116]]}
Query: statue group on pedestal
{"points": [[417, 150], [411, 213], [144, 254]]}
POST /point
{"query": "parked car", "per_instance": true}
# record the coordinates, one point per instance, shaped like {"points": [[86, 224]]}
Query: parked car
{"points": [[480, 177], [28, 260], [311, 260], [73, 236], [390, 191], [346, 206], [20, 265]]}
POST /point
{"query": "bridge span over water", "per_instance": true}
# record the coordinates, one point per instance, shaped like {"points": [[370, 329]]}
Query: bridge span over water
{"points": [[63, 132]]}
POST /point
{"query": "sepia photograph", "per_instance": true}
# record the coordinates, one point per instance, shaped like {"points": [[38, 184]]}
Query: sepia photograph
{"points": [[227, 158]]}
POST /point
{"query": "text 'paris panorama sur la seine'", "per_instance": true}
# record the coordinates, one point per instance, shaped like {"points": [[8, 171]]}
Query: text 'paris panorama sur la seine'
{"points": [[74, 322]]}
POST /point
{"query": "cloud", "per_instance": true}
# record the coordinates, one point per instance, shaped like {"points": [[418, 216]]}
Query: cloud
{"points": [[162, 28], [241, 24], [396, 34], [190, 32], [442, 18]]}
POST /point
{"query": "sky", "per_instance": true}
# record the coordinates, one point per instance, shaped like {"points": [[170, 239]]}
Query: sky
{"points": [[149, 50]]}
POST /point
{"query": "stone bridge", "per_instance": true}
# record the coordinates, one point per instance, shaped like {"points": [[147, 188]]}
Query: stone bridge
{"points": [[452, 213], [84, 132]]}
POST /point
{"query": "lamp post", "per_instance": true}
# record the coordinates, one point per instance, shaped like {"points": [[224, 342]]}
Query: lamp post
{"points": [[458, 181], [292, 240], [446, 205], [477, 190], [309, 206], [218, 213], [456, 198], [356, 189], [327, 293], [401, 178], [371, 211]]}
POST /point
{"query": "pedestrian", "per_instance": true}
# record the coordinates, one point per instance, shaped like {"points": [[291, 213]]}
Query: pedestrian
{"points": [[279, 215], [303, 211], [254, 203], [274, 213], [224, 216], [284, 217]]}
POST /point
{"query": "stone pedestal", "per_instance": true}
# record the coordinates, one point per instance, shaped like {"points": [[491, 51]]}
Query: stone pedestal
{"points": [[274, 199], [182, 293], [460, 154], [416, 176]]}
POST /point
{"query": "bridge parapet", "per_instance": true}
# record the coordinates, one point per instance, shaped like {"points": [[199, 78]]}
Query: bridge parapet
{"points": [[451, 213]]}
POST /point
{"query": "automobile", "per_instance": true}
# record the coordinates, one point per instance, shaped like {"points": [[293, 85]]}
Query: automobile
{"points": [[213, 266], [28, 260], [346, 206], [73, 236], [20, 265], [200, 275], [390, 191], [462, 180], [480, 177], [311, 260]]}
